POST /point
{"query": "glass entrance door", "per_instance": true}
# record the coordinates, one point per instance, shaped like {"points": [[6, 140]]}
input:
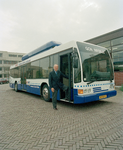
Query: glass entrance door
{"points": [[66, 67]]}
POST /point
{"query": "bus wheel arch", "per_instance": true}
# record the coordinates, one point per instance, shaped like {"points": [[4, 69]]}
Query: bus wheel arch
{"points": [[16, 86], [45, 92]]}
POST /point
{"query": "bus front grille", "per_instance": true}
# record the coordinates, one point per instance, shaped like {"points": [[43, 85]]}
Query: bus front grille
{"points": [[97, 89]]}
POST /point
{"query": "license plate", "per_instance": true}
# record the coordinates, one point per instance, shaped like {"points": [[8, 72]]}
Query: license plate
{"points": [[102, 96]]}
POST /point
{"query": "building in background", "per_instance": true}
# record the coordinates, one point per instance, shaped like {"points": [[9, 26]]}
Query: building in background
{"points": [[6, 60], [114, 42]]}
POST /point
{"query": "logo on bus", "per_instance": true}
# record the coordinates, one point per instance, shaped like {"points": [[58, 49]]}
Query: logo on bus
{"points": [[93, 50], [88, 48]]}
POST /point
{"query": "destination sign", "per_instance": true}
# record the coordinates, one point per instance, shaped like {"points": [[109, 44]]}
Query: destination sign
{"points": [[94, 49]]}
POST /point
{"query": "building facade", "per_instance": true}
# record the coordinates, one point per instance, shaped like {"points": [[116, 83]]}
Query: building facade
{"points": [[6, 60], [114, 42]]}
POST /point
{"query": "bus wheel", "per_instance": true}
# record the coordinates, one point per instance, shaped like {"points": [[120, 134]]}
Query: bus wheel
{"points": [[46, 93], [16, 87]]}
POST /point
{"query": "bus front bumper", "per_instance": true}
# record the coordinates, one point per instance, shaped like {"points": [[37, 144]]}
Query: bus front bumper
{"points": [[79, 99]]}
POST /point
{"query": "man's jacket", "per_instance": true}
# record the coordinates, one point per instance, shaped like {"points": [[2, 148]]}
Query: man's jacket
{"points": [[55, 80]]}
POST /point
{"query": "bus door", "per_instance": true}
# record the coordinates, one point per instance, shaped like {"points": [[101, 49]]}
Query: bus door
{"points": [[23, 77], [66, 67]]}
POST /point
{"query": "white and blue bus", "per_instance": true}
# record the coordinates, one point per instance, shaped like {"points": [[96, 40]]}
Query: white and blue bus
{"points": [[89, 68]]}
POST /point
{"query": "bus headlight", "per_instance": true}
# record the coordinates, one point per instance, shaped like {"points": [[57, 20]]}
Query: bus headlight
{"points": [[89, 90], [111, 86], [80, 91], [85, 90]]}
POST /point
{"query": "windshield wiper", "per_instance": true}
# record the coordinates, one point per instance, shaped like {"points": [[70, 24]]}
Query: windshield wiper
{"points": [[90, 82]]}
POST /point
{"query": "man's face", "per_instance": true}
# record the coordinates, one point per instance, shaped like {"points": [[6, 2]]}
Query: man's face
{"points": [[56, 67]]}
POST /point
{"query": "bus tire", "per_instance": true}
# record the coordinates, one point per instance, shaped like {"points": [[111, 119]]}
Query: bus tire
{"points": [[46, 93], [16, 87]]}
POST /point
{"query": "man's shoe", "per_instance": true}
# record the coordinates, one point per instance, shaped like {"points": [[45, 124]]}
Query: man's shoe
{"points": [[55, 108]]}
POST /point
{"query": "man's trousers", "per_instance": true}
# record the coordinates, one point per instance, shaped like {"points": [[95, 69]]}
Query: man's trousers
{"points": [[54, 98], [54, 95]]}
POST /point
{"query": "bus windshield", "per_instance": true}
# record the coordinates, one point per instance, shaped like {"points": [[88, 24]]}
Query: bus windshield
{"points": [[96, 63]]}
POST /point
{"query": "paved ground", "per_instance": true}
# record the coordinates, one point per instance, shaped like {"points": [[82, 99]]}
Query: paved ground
{"points": [[29, 123]]}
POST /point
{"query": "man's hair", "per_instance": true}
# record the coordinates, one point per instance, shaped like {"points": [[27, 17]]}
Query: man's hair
{"points": [[55, 65]]}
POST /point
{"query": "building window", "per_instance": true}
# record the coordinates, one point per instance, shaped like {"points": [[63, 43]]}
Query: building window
{"points": [[117, 48], [118, 66], [117, 53], [6, 75], [117, 41], [117, 56], [0, 75], [10, 62], [11, 55], [1, 54], [104, 44], [0, 68], [20, 55], [0, 61], [6, 62], [6, 69]]}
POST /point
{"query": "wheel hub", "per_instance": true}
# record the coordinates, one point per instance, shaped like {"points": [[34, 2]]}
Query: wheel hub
{"points": [[45, 93]]}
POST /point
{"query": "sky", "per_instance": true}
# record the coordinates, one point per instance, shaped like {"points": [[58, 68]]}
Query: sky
{"points": [[28, 24]]}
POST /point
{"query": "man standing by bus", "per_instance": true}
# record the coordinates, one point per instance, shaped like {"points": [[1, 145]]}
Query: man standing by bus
{"points": [[56, 84]]}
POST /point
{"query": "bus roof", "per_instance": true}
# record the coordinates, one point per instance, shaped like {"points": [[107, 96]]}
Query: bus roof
{"points": [[43, 53], [41, 49]]}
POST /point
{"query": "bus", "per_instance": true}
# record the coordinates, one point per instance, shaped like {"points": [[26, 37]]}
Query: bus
{"points": [[89, 69]]}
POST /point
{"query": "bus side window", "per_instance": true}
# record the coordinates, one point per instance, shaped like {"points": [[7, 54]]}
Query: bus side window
{"points": [[50, 68], [19, 72], [29, 74], [16, 72], [35, 69], [44, 65], [56, 57]]}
